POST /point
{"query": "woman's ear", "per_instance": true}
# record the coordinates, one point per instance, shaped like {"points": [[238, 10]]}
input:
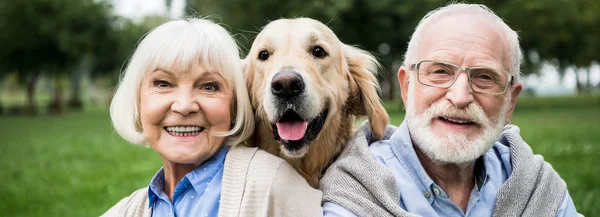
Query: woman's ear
{"points": [[364, 99]]}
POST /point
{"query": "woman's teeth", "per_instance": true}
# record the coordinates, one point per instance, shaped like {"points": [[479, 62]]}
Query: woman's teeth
{"points": [[184, 131]]}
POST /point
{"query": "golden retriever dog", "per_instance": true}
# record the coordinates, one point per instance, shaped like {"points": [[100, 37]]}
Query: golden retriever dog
{"points": [[307, 88]]}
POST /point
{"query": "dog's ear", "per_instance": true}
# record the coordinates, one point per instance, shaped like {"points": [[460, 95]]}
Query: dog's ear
{"points": [[249, 77], [248, 72], [363, 99]]}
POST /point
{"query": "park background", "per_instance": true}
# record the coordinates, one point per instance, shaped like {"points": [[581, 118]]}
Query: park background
{"points": [[60, 61]]}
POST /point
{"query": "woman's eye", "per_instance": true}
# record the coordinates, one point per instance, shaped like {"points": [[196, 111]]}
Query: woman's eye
{"points": [[161, 84], [212, 87]]}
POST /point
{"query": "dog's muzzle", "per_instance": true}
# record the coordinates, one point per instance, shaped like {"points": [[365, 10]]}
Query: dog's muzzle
{"points": [[294, 133], [293, 128]]}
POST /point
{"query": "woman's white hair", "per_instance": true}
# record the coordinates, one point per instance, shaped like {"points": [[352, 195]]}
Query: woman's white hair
{"points": [[178, 45], [412, 52]]}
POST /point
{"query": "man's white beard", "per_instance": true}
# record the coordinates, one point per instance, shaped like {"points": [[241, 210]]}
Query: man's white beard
{"points": [[451, 147]]}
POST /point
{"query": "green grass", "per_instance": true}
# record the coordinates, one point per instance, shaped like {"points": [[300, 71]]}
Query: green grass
{"points": [[73, 165], [76, 165]]}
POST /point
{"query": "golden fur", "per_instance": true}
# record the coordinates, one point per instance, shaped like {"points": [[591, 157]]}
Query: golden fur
{"points": [[344, 82]]}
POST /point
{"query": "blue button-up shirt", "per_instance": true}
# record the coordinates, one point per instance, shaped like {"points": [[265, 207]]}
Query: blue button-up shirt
{"points": [[198, 193], [420, 195]]}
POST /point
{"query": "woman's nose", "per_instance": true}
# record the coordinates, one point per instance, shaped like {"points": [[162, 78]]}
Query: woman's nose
{"points": [[185, 103]]}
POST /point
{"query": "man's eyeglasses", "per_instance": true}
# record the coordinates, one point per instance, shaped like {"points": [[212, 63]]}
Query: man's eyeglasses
{"points": [[481, 79]]}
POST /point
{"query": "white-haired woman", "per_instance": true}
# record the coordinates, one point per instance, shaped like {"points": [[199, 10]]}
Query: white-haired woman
{"points": [[183, 94]]}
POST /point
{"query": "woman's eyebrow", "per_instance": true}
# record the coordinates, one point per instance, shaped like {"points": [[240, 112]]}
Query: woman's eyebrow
{"points": [[164, 71], [213, 74]]}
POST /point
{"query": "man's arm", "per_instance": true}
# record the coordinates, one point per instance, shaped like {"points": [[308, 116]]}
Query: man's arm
{"points": [[567, 208], [334, 210]]}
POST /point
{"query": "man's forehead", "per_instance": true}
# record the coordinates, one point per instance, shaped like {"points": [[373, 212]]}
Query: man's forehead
{"points": [[456, 34]]}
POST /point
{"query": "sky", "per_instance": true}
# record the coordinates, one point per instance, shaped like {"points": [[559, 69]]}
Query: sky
{"points": [[548, 82]]}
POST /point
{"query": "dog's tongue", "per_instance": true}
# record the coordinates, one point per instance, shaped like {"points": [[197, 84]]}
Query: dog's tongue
{"points": [[291, 130]]}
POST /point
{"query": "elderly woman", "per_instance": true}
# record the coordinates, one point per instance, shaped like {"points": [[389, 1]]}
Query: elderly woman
{"points": [[184, 95]]}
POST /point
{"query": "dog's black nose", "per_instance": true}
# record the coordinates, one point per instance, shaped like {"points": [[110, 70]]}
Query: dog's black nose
{"points": [[287, 84]]}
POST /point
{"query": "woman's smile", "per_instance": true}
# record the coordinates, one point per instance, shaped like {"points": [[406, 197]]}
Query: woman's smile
{"points": [[184, 131]]}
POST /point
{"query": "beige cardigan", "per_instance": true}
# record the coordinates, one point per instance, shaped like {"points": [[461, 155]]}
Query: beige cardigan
{"points": [[255, 183]]}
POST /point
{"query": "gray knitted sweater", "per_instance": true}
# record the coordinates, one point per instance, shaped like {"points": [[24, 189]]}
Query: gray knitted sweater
{"points": [[359, 183]]}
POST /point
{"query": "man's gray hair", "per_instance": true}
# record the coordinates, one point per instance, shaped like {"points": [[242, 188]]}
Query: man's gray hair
{"points": [[410, 57]]}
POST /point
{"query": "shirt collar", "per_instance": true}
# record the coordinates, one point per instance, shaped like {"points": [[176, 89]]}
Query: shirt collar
{"points": [[202, 175], [481, 175], [197, 177], [156, 187], [405, 152]]}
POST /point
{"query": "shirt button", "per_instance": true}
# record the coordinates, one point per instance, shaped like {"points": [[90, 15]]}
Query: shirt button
{"points": [[436, 191], [427, 194]]}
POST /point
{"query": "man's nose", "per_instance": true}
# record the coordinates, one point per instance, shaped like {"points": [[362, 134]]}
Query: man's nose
{"points": [[185, 103], [460, 93]]}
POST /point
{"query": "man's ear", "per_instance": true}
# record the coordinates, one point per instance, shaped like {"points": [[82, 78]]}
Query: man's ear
{"points": [[516, 90], [364, 99], [403, 80]]}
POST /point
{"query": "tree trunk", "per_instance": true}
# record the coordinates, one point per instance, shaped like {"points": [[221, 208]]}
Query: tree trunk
{"points": [[588, 85], [1, 106], [56, 105], [30, 105], [390, 79], [577, 83], [75, 76], [75, 102]]}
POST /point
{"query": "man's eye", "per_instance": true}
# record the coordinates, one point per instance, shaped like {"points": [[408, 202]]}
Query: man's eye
{"points": [[484, 76], [212, 87], [161, 84], [440, 71], [487, 75]]}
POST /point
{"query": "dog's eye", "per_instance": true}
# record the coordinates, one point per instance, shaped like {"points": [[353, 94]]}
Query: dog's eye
{"points": [[318, 52], [263, 55]]}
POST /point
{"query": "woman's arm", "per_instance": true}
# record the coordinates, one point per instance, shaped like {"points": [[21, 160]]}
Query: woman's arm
{"points": [[291, 195]]}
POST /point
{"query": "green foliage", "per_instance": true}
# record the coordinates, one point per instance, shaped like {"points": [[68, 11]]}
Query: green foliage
{"points": [[50, 35], [563, 32]]}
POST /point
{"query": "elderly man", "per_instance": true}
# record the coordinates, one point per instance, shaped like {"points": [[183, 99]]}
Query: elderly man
{"points": [[453, 154]]}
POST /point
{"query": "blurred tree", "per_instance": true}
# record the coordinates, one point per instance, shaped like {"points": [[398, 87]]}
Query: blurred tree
{"points": [[95, 22], [26, 43], [113, 54], [2, 75], [562, 32], [371, 25], [50, 36]]}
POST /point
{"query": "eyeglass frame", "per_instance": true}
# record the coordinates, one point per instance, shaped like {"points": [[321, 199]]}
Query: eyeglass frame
{"points": [[467, 70]]}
